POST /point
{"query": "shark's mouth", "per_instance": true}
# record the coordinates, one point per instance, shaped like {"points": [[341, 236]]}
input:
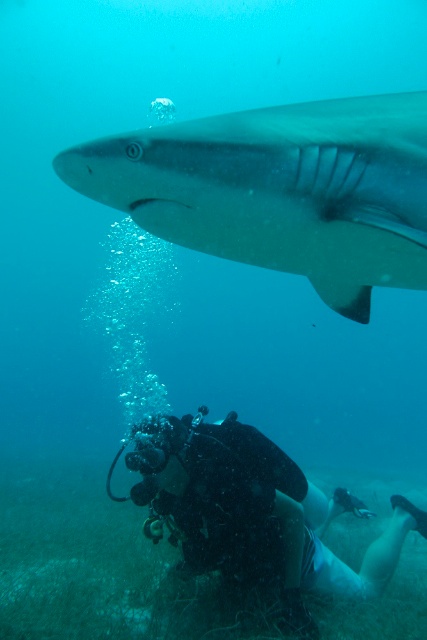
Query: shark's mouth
{"points": [[145, 201]]}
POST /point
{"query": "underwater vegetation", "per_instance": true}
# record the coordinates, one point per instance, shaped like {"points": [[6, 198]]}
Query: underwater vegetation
{"points": [[82, 569]]}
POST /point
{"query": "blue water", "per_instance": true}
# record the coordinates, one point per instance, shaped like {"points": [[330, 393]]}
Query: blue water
{"points": [[333, 393]]}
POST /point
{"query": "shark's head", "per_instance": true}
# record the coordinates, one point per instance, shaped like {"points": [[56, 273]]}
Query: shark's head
{"points": [[181, 182], [136, 173]]}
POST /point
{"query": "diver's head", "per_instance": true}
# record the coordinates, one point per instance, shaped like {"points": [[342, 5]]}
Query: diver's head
{"points": [[156, 440]]}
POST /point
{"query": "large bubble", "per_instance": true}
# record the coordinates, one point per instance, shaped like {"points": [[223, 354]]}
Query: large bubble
{"points": [[162, 111]]}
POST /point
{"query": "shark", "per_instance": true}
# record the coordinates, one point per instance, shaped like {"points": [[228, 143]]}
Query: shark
{"points": [[333, 190]]}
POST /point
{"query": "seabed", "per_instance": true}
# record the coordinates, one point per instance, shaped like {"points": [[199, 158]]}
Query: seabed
{"points": [[76, 566]]}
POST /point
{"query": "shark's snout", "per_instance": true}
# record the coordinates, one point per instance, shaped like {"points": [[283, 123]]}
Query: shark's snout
{"points": [[82, 172], [102, 174], [70, 167], [59, 164]]}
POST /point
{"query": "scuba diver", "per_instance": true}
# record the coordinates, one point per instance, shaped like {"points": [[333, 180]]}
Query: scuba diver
{"points": [[236, 503]]}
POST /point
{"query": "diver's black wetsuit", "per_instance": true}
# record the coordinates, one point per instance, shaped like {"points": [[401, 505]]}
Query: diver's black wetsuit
{"points": [[226, 512]]}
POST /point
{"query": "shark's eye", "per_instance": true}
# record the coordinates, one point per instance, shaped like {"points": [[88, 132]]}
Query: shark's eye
{"points": [[134, 151]]}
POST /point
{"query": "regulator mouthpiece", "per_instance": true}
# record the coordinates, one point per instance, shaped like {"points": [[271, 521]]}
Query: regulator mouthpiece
{"points": [[144, 492]]}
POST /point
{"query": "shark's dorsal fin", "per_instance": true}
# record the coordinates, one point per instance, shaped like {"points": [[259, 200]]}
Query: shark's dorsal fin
{"points": [[350, 300]]}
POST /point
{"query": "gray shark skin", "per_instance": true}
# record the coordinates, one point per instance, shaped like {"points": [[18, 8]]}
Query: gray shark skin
{"points": [[333, 190]]}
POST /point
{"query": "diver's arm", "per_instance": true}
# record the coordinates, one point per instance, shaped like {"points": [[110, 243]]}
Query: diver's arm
{"points": [[291, 516]]}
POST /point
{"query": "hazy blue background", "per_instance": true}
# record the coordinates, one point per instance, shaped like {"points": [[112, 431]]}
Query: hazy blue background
{"points": [[333, 393]]}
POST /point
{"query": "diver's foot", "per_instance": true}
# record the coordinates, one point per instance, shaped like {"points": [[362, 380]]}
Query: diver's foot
{"points": [[294, 617], [348, 502], [419, 516]]}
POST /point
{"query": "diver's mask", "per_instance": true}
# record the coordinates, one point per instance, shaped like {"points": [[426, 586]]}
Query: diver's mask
{"points": [[150, 456]]}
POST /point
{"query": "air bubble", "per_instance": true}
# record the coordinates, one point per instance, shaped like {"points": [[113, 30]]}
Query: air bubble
{"points": [[140, 285]]}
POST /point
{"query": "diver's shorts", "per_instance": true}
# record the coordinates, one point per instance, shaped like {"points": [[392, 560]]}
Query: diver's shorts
{"points": [[332, 576]]}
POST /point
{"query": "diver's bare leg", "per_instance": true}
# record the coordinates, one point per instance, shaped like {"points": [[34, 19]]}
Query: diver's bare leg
{"points": [[383, 555], [316, 509]]}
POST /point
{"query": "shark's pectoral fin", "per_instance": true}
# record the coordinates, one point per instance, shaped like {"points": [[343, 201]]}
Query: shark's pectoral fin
{"points": [[352, 301], [378, 218]]}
